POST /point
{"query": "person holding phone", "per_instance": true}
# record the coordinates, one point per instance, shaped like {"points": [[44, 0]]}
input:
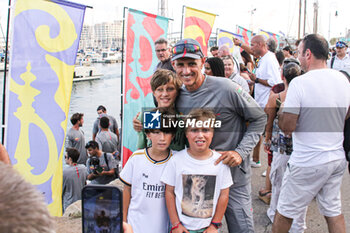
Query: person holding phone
{"points": [[101, 166], [144, 205]]}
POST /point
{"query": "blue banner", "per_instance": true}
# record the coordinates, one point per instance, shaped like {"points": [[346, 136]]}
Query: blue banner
{"points": [[44, 46]]}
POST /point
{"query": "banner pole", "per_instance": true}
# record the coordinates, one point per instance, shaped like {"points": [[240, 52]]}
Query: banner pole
{"points": [[182, 21], [5, 76], [122, 88], [217, 36]]}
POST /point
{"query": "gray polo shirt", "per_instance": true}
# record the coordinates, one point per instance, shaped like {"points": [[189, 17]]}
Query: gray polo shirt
{"points": [[107, 141], [76, 139], [74, 178]]}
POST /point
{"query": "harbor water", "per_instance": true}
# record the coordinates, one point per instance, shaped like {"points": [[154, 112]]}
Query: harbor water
{"points": [[88, 95]]}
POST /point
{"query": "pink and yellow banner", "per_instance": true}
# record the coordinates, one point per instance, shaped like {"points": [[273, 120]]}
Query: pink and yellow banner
{"points": [[44, 47], [198, 26], [143, 29], [247, 34]]}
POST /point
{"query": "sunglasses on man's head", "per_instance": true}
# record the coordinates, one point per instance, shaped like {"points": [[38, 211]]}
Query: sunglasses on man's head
{"points": [[188, 48]]}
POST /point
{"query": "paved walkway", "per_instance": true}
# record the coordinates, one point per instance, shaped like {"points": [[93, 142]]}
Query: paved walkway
{"points": [[314, 221]]}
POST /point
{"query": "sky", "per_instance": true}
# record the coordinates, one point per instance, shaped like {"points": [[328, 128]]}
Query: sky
{"points": [[269, 15]]}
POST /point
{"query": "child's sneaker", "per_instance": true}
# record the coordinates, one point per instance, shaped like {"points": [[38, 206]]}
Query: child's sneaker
{"points": [[255, 164]]}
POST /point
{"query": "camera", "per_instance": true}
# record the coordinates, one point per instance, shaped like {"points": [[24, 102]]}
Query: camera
{"points": [[95, 163]]}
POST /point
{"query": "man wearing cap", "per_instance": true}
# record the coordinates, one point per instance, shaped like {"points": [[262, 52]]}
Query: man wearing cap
{"points": [[341, 61], [234, 140]]}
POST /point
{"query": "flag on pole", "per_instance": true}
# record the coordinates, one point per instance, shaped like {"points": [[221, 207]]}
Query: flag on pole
{"points": [[226, 38], [268, 35], [44, 47], [143, 29], [198, 26], [247, 34]]}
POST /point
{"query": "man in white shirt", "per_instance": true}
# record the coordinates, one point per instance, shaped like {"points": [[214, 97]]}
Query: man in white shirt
{"points": [[342, 60], [315, 109], [267, 74]]}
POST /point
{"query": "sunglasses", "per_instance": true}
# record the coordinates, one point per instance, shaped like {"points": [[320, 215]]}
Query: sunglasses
{"points": [[160, 50], [188, 48]]}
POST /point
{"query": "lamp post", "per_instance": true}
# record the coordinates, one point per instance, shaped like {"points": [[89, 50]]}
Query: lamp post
{"points": [[251, 18], [330, 17]]}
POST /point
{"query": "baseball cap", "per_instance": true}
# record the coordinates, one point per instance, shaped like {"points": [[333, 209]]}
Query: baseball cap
{"points": [[187, 48], [340, 44]]}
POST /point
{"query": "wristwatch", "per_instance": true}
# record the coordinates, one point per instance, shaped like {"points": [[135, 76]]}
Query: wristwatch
{"points": [[217, 225], [257, 80]]}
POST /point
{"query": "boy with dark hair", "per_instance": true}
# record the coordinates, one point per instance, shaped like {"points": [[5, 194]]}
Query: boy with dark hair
{"points": [[107, 140], [143, 195], [197, 191], [101, 165], [74, 178]]}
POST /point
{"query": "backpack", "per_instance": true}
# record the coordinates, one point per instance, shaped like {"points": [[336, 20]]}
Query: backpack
{"points": [[332, 62], [116, 170]]}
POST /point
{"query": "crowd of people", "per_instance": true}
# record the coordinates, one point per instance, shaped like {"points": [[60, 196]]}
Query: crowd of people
{"points": [[190, 173], [286, 100], [177, 179], [96, 161]]}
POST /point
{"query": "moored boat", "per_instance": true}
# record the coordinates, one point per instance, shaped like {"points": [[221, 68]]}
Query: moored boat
{"points": [[82, 73]]}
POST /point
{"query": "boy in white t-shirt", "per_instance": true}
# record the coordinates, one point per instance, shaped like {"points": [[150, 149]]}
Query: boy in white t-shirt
{"points": [[144, 205], [197, 191]]}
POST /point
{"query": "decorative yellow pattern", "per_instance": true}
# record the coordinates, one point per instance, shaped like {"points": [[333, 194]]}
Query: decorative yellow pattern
{"points": [[67, 34], [64, 73], [209, 17], [27, 115], [195, 30]]}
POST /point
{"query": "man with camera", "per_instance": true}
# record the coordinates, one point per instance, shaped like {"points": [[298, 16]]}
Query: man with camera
{"points": [[100, 165]]}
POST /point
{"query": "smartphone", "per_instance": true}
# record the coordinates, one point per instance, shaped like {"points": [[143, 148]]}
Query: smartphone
{"points": [[102, 209]]}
